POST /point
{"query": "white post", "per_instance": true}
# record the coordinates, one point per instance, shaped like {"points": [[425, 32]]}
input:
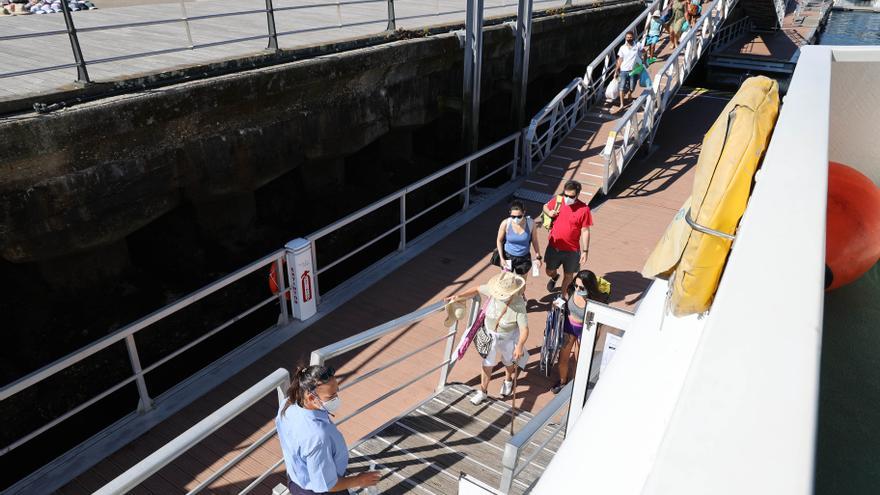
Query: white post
{"points": [[301, 279]]}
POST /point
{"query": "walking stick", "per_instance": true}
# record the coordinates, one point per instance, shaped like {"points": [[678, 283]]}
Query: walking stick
{"points": [[513, 401]]}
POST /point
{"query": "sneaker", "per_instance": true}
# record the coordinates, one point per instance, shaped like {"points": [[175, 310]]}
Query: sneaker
{"points": [[506, 388], [478, 398], [552, 283]]}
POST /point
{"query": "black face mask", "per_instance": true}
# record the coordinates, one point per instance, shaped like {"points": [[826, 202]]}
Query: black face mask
{"points": [[629, 42]]}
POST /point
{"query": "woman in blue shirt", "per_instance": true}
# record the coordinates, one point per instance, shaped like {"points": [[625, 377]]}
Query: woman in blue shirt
{"points": [[515, 234], [315, 453]]}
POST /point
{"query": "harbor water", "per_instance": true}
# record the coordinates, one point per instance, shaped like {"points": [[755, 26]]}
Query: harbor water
{"points": [[851, 28]]}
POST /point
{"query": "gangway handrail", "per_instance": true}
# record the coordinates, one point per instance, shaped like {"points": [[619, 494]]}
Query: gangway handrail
{"points": [[400, 196], [320, 356], [587, 90], [639, 124], [513, 449], [128, 333], [279, 380]]}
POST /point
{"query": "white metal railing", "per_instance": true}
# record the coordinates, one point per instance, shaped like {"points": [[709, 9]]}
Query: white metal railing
{"points": [[639, 123], [732, 32], [510, 462], [345, 14], [562, 114], [279, 381], [400, 197], [127, 334]]}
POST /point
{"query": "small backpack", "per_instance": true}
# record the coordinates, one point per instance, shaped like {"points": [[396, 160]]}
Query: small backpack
{"points": [[546, 221]]}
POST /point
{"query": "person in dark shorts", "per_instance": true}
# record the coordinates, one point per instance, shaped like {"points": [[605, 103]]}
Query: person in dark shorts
{"points": [[569, 236], [515, 235], [315, 453]]}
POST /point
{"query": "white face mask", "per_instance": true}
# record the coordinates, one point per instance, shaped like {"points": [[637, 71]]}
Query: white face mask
{"points": [[569, 201], [331, 405], [517, 220]]}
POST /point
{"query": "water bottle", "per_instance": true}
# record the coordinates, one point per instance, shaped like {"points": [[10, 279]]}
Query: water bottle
{"points": [[536, 268], [372, 490]]}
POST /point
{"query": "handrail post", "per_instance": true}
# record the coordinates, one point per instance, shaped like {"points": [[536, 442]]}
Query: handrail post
{"points": [[508, 467], [82, 75], [282, 291], [467, 185], [270, 21], [402, 246], [301, 278], [392, 18], [516, 156], [145, 403]]}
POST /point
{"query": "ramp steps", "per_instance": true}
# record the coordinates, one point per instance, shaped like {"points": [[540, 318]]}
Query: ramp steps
{"points": [[425, 451]]}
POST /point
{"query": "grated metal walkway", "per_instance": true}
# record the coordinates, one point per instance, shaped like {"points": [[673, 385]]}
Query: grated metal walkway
{"points": [[426, 450]]}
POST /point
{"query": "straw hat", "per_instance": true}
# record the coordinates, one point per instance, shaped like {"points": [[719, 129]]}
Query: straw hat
{"points": [[504, 285], [454, 312]]}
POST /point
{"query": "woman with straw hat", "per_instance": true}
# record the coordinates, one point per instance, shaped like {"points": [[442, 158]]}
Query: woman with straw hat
{"points": [[507, 325]]}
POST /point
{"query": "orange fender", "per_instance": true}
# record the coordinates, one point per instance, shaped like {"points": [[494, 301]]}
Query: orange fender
{"points": [[852, 235]]}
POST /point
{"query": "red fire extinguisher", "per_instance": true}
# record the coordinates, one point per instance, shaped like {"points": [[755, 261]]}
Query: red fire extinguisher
{"points": [[306, 285]]}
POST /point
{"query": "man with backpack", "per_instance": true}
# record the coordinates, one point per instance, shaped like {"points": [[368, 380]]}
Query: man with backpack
{"points": [[569, 235]]}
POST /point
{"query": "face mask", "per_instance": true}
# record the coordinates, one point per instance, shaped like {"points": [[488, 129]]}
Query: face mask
{"points": [[569, 201], [517, 220], [331, 405], [629, 42], [582, 293]]}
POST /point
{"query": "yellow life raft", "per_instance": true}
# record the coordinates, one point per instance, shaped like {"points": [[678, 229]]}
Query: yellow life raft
{"points": [[695, 246]]}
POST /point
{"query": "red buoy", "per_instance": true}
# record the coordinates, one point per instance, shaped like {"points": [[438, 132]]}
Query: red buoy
{"points": [[852, 235], [273, 279]]}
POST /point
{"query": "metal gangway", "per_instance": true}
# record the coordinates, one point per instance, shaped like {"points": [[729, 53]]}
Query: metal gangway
{"points": [[578, 134], [429, 447]]}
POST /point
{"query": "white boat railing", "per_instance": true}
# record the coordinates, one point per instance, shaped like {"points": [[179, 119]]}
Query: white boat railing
{"points": [[511, 463], [562, 114], [639, 124]]}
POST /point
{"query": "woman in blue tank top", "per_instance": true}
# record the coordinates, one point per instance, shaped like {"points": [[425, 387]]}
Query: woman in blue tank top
{"points": [[515, 235]]}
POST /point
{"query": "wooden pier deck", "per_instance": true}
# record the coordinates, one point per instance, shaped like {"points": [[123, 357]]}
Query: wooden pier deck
{"points": [[627, 225]]}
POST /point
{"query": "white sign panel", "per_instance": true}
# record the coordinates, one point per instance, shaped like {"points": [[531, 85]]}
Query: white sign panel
{"points": [[611, 343]]}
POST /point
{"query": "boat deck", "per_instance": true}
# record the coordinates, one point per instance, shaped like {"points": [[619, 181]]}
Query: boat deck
{"points": [[627, 225]]}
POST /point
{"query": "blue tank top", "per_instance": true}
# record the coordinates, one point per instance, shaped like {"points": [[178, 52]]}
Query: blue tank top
{"points": [[518, 244]]}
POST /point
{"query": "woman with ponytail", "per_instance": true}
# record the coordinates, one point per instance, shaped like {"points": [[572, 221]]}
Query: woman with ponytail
{"points": [[315, 453]]}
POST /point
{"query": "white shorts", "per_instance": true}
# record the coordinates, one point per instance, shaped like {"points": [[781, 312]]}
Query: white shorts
{"points": [[502, 348]]}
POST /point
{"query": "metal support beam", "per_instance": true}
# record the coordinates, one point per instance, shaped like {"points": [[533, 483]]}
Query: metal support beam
{"points": [[392, 17], [82, 75], [522, 47], [270, 21], [473, 62]]}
